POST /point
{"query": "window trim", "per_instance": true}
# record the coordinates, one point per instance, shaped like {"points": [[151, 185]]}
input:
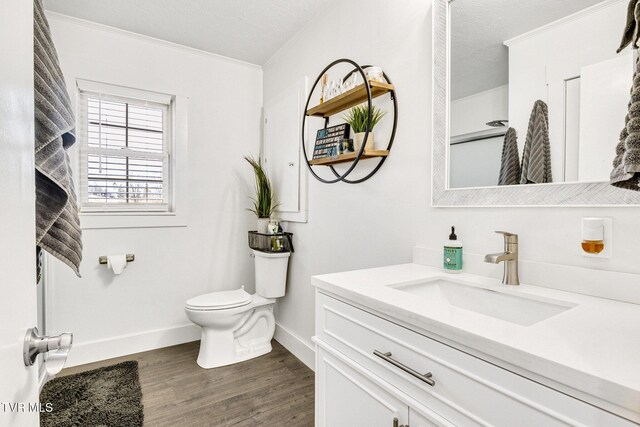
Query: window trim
{"points": [[105, 92], [126, 217]]}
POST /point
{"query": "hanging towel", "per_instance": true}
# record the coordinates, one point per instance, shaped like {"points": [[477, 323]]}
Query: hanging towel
{"points": [[631, 29], [57, 223], [510, 164], [536, 155], [626, 165]]}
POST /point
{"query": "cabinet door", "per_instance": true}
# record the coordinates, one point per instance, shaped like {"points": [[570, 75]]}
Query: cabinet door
{"points": [[417, 419], [346, 397]]}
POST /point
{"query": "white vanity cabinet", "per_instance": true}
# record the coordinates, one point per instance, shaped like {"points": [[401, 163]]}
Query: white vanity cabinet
{"points": [[370, 371]]}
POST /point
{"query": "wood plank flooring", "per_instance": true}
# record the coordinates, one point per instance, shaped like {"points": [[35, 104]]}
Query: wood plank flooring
{"points": [[275, 389]]}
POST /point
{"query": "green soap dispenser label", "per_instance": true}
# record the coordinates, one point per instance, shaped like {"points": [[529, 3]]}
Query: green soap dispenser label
{"points": [[452, 258]]}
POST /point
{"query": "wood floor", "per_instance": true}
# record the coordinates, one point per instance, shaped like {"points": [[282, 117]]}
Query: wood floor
{"points": [[275, 389]]}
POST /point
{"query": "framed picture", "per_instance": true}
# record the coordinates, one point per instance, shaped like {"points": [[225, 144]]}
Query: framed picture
{"points": [[329, 139]]}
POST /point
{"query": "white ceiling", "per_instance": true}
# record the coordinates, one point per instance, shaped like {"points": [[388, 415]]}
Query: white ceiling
{"points": [[248, 30], [479, 60]]}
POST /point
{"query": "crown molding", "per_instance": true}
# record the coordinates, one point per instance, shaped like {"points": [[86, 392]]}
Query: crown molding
{"points": [[562, 21], [55, 16]]}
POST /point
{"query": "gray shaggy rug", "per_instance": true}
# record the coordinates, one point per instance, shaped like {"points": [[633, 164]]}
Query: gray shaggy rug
{"points": [[109, 396]]}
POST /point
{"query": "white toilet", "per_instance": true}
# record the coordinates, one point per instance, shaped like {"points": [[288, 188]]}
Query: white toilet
{"points": [[237, 326]]}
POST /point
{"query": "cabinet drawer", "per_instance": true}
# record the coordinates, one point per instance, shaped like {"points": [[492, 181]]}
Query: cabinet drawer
{"points": [[466, 390], [351, 396]]}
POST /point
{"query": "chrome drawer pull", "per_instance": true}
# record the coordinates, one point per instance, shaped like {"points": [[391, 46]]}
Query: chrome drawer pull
{"points": [[426, 378]]}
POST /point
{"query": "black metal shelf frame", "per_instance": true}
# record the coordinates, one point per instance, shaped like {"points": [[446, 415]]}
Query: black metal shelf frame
{"points": [[338, 177]]}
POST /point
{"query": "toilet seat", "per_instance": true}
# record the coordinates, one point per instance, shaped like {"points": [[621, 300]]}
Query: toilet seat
{"points": [[219, 300]]}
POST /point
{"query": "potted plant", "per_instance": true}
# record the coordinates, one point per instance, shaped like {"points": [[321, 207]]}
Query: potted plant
{"points": [[264, 202], [358, 117]]}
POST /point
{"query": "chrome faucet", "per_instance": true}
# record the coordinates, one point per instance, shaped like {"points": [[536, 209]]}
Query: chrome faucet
{"points": [[509, 257]]}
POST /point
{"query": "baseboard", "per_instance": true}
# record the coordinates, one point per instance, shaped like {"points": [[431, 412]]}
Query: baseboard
{"points": [[296, 345], [94, 351]]}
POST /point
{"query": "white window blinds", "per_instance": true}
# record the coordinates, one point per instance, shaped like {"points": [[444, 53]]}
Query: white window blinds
{"points": [[125, 150]]}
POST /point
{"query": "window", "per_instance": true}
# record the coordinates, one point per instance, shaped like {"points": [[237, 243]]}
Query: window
{"points": [[125, 137]]}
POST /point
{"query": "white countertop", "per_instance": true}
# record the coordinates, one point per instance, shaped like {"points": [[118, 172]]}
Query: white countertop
{"points": [[593, 348]]}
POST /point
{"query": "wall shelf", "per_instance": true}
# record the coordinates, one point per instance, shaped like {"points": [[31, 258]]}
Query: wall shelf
{"points": [[353, 97], [360, 94], [348, 157]]}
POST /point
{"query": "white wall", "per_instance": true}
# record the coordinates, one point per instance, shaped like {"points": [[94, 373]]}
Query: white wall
{"points": [[350, 226], [541, 61], [375, 223], [472, 113], [477, 163], [143, 308], [548, 235]]}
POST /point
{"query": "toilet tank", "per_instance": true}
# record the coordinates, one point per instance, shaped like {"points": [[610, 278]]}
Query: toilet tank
{"points": [[271, 273]]}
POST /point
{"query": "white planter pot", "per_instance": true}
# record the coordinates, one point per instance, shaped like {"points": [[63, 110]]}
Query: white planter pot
{"points": [[263, 225], [359, 137]]}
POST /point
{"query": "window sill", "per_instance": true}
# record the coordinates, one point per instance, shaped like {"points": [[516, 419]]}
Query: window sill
{"points": [[102, 220]]}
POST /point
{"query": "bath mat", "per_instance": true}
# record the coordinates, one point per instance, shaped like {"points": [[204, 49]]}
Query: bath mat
{"points": [[109, 396]]}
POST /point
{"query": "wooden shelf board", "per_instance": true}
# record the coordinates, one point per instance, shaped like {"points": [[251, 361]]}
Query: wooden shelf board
{"points": [[349, 157], [355, 96]]}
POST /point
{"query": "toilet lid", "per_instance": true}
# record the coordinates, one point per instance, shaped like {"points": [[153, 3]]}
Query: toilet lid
{"points": [[220, 300]]}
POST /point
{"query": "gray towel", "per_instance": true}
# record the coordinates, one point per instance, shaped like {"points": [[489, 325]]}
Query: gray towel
{"points": [[57, 223], [631, 30], [536, 155], [626, 165], [510, 163]]}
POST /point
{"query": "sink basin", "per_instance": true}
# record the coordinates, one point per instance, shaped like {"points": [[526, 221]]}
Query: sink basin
{"points": [[520, 309]]}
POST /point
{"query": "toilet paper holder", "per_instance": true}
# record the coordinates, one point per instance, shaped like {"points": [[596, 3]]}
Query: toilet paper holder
{"points": [[103, 258]]}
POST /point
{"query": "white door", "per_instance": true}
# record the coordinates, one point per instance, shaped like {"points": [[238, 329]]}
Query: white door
{"points": [[604, 99], [282, 154], [18, 300], [347, 398]]}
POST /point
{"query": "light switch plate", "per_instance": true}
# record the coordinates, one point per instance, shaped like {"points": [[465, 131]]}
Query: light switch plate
{"points": [[607, 253]]}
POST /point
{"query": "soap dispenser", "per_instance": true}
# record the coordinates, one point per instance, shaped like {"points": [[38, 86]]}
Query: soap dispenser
{"points": [[453, 253]]}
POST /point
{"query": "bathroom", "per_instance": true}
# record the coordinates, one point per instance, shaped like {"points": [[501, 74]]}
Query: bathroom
{"points": [[238, 76]]}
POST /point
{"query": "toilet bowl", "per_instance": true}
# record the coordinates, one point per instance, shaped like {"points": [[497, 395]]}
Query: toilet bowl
{"points": [[237, 326]]}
